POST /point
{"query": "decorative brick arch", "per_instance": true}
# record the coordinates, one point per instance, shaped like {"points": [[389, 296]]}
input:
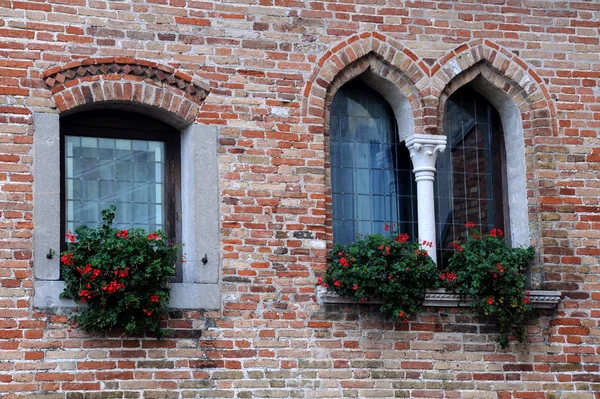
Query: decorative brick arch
{"points": [[160, 90], [502, 69], [384, 57]]}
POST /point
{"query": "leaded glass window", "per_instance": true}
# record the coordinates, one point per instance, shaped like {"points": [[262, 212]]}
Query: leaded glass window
{"points": [[120, 158], [470, 173], [100, 172], [371, 173]]}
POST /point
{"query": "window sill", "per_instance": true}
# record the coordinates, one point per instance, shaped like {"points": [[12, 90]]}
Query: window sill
{"points": [[440, 297], [183, 296]]}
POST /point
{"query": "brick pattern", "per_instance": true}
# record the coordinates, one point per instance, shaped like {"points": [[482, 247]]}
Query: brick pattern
{"points": [[125, 79], [505, 71], [273, 66], [348, 59]]}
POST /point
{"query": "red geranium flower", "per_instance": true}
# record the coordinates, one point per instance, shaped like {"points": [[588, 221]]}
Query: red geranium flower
{"points": [[457, 246], [85, 270], [153, 236], [496, 232], [401, 238], [85, 294], [95, 274], [69, 236], [113, 287], [67, 259]]}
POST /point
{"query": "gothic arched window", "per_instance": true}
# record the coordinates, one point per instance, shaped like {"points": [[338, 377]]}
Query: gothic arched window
{"points": [[471, 173], [371, 173]]}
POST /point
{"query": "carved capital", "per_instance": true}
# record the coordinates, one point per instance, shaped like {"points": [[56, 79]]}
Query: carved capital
{"points": [[423, 150]]}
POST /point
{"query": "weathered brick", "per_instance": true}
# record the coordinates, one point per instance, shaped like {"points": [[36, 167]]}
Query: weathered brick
{"points": [[271, 67]]}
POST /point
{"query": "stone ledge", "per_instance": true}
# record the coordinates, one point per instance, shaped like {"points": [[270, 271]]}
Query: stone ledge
{"points": [[183, 296], [540, 299]]}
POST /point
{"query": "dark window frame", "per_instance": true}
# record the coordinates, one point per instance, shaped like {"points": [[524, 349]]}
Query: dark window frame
{"points": [[132, 126]]}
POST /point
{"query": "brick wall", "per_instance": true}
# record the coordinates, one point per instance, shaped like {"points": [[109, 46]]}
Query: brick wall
{"points": [[273, 67]]}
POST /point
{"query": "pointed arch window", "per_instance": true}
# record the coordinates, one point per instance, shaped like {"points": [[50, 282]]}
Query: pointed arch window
{"points": [[471, 173], [371, 173]]}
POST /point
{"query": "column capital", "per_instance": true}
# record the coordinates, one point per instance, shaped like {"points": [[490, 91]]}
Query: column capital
{"points": [[423, 150]]}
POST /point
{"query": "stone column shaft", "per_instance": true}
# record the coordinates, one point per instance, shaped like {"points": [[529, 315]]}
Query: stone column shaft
{"points": [[423, 150]]}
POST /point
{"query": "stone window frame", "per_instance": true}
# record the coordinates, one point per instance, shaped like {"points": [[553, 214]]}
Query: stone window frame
{"points": [[200, 233]]}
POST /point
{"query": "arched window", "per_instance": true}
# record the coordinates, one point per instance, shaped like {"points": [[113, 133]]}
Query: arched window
{"points": [[371, 173], [471, 173]]}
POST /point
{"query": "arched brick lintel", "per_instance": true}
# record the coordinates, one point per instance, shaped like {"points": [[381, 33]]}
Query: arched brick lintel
{"points": [[504, 70], [394, 87], [350, 51], [147, 87]]}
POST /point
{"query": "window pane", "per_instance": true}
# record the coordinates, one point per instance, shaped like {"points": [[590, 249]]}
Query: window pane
{"points": [[371, 173], [103, 171], [468, 188]]}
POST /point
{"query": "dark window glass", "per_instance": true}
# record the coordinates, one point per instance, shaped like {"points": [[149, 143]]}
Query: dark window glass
{"points": [[371, 173], [120, 158], [470, 173]]}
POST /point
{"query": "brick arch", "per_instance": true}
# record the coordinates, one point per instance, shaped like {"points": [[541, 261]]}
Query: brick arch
{"points": [[383, 56], [504, 70], [158, 90]]}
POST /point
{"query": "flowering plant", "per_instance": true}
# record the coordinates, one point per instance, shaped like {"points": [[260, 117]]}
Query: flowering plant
{"points": [[121, 275], [390, 268], [493, 273]]}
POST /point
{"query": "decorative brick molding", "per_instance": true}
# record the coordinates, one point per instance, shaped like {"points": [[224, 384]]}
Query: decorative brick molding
{"points": [[502, 69], [126, 79], [384, 56]]}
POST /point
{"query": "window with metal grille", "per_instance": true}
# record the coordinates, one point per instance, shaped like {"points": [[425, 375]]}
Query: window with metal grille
{"points": [[371, 173], [471, 177]]}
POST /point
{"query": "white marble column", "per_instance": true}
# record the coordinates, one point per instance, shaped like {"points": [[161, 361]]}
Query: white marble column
{"points": [[423, 150]]}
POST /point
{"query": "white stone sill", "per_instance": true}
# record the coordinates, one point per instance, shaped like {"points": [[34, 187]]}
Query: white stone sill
{"points": [[183, 296], [540, 299]]}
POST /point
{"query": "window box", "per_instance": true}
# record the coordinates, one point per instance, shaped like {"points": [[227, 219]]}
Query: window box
{"points": [[443, 298]]}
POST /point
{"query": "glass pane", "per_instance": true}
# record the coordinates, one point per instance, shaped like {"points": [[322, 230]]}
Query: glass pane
{"points": [[372, 181], [466, 181], [103, 171]]}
